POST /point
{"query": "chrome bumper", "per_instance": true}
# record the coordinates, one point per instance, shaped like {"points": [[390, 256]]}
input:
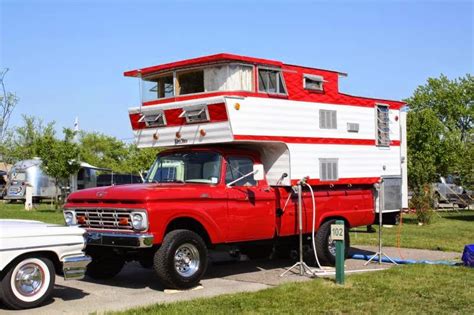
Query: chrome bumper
{"points": [[130, 240], [74, 268]]}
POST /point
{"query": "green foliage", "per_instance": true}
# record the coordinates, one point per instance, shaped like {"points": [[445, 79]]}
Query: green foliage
{"points": [[109, 152], [102, 151], [25, 142], [59, 156], [440, 130], [422, 202]]}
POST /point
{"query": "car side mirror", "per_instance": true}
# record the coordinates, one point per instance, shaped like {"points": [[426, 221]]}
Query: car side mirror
{"points": [[259, 172]]}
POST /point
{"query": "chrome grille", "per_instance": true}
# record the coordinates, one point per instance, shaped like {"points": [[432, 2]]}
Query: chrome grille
{"points": [[109, 219]]}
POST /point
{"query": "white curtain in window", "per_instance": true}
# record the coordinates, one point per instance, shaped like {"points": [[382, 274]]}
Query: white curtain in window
{"points": [[215, 78], [240, 78]]}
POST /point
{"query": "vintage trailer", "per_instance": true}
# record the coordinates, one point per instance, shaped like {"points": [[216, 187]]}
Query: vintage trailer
{"points": [[238, 134], [29, 172]]}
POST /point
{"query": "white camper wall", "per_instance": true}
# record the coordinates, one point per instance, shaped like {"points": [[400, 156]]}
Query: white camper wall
{"points": [[277, 119]]}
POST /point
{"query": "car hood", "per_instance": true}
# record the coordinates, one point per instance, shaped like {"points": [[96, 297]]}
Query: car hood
{"points": [[28, 228], [141, 193]]}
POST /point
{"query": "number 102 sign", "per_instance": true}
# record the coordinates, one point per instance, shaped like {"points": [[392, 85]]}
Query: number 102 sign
{"points": [[337, 232]]}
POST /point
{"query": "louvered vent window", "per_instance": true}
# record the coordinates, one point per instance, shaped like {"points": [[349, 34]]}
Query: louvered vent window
{"points": [[156, 119], [383, 126], [328, 169], [327, 119], [195, 115]]}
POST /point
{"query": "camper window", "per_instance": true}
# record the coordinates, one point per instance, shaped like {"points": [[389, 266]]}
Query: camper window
{"points": [[270, 81], [190, 82], [313, 82], [383, 126], [157, 87], [327, 119]]}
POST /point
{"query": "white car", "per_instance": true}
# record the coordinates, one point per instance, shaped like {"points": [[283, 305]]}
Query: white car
{"points": [[31, 254]]}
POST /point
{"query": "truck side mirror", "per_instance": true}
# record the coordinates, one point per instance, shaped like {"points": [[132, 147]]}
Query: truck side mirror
{"points": [[259, 172]]}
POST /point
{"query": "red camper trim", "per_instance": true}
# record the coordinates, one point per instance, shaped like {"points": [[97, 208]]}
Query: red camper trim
{"points": [[312, 140]]}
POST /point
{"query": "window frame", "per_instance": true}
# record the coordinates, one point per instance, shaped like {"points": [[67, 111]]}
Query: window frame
{"points": [[331, 111], [280, 75], [155, 123], [328, 160], [313, 77], [195, 108], [377, 141], [227, 165], [252, 89]]}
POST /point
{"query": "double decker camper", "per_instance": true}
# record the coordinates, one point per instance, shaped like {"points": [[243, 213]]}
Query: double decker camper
{"points": [[237, 134]]}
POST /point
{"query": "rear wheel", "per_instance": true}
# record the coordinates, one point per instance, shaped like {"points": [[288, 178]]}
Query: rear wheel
{"points": [[326, 247], [181, 261], [28, 283]]}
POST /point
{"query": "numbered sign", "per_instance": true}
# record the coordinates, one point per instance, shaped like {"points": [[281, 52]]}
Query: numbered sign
{"points": [[337, 232]]}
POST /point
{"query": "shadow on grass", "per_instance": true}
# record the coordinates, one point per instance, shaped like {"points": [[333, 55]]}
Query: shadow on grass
{"points": [[460, 217]]}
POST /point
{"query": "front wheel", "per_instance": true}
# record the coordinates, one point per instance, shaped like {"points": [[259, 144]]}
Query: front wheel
{"points": [[28, 283], [326, 247], [181, 260]]}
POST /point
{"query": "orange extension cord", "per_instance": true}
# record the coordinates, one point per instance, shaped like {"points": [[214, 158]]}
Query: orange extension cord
{"points": [[399, 234]]}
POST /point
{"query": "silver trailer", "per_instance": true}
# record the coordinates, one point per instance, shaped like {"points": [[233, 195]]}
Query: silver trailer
{"points": [[29, 172]]}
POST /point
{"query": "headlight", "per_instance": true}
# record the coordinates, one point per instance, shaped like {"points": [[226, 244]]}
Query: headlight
{"points": [[70, 217], [139, 221]]}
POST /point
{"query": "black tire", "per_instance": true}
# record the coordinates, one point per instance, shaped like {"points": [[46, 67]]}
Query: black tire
{"points": [[104, 266], [189, 245], [326, 253], [462, 205], [16, 295]]}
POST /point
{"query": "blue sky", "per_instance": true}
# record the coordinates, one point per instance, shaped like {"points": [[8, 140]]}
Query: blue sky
{"points": [[67, 58]]}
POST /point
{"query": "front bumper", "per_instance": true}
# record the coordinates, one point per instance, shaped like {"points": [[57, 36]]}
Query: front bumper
{"points": [[74, 268], [128, 240]]}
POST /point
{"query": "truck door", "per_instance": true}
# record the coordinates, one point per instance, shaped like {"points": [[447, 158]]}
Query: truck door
{"points": [[251, 210]]}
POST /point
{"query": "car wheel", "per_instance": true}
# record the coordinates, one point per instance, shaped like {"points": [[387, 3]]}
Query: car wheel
{"points": [[436, 199], [104, 266], [28, 283], [181, 261], [326, 247]]}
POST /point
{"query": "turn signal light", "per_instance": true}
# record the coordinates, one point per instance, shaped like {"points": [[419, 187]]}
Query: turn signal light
{"points": [[123, 221], [202, 132], [81, 219], [178, 134], [156, 136]]}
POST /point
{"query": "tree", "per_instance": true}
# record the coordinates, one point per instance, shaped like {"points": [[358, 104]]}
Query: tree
{"points": [[24, 142], [60, 157], [440, 130], [139, 160], [103, 151], [8, 101]]}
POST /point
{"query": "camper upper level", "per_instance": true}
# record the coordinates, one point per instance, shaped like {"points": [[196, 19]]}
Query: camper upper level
{"points": [[227, 74]]}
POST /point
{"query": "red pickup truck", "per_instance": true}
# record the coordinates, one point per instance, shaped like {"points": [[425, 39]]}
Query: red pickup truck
{"points": [[197, 198]]}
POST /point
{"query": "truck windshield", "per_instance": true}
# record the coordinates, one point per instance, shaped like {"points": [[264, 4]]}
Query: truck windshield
{"points": [[189, 167]]}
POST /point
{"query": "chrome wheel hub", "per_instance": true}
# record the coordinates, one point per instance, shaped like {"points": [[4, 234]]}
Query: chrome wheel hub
{"points": [[186, 260], [332, 246], [29, 279]]}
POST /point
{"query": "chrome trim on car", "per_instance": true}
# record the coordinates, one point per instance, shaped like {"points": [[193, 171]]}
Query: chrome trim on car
{"points": [[74, 268], [135, 240], [38, 246]]}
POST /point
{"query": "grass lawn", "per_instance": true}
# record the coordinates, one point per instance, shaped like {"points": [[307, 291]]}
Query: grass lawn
{"points": [[449, 231], [43, 212], [403, 289]]}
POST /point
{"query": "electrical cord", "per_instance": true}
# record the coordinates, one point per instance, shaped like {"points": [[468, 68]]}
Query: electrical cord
{"points": [[314, 227]]}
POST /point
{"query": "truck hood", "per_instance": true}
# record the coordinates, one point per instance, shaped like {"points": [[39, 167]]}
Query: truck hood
{"points": [[28, 228], [139, 193]]}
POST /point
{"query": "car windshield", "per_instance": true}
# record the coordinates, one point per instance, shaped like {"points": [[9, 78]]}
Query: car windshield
{"points": [[189, 167]]}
